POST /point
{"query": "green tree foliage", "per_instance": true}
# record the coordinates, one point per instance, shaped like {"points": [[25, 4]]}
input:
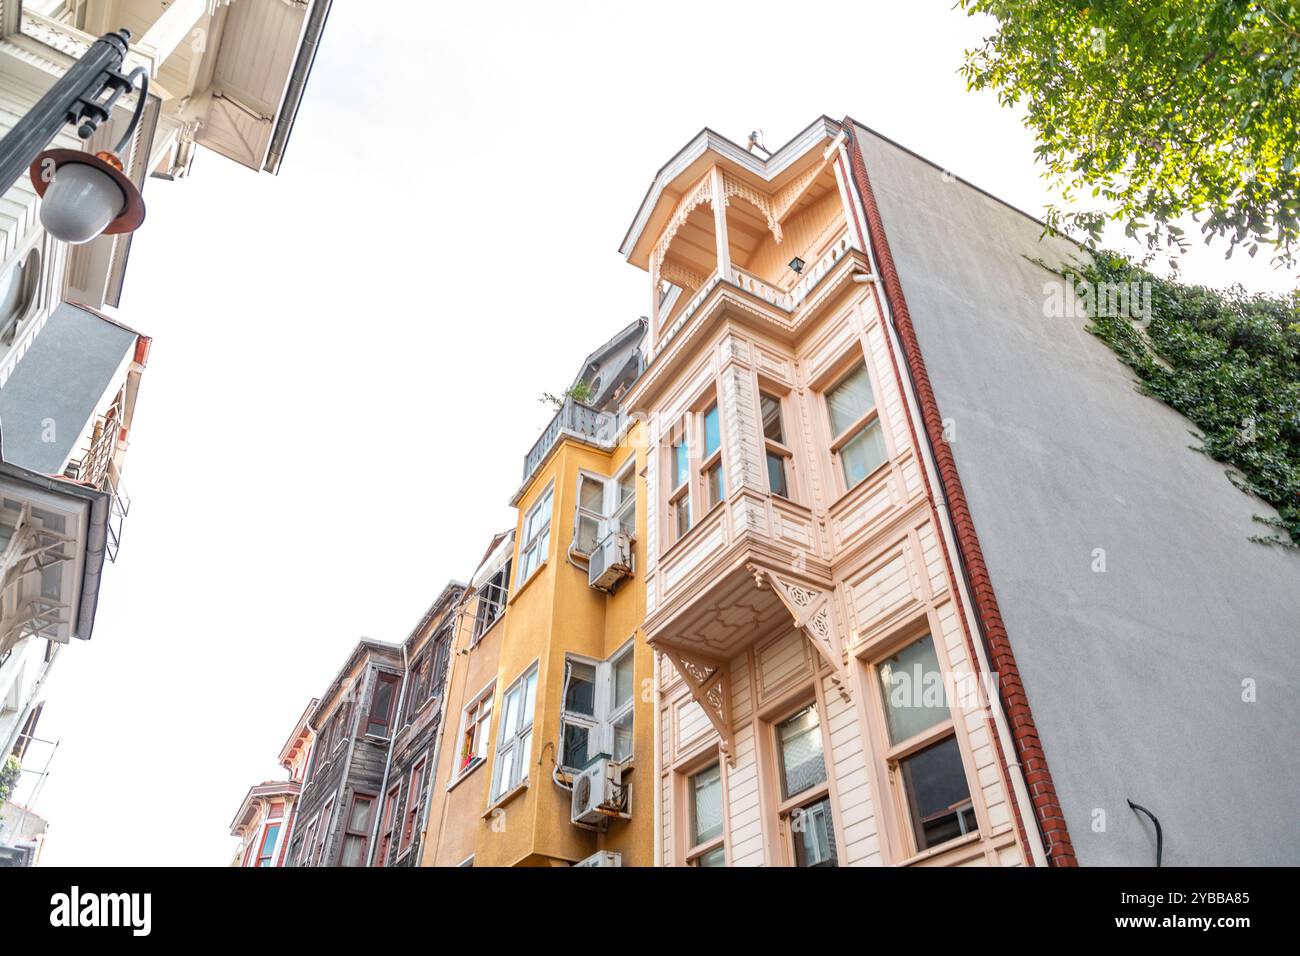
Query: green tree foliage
{"points": [[1161, 109], [1229, 362], [10, 771]]}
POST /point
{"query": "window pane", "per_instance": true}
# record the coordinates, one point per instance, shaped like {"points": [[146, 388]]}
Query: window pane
{"points": [[716, 857], [591, 495], [681, 464], [706, 805], [575, 746], [714, 480], [937, 795], [623, 737], [712, 436], [588, 535], [683, 508], [912, 688], [580, 695], [507, 763], [354, 854], [622, 680], [380, 707], [849, 400], [776, 475], [814, 836], [525, 751], [510, 713], [530, 701], [268, 844], [802, 763], [360, 815], [863, 453], [770, 409], [627, 520], [627, 485]]}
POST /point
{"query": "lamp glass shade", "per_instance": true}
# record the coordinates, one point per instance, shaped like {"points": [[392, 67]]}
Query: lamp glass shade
{"points": [[80, 203]]}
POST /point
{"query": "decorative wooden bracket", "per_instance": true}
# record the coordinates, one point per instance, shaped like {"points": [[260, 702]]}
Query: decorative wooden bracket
{"points": [[811, 610], [710, 684]]}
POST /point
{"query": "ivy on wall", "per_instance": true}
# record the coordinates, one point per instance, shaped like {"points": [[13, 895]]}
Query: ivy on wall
{"points": [[1228, 361]]}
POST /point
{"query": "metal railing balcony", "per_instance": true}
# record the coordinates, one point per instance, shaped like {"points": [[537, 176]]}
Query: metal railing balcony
{"points": [[574, 420]]}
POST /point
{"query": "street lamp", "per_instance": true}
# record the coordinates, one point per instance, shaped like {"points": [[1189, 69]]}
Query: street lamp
{"points": [[83, 195]]}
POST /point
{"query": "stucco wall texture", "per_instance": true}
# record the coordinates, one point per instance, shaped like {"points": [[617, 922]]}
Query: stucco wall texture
{"points": [[1135, 674]]}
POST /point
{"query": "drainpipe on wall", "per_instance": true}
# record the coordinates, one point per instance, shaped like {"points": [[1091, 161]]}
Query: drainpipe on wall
{"points": [[1009, 754], [658, 770], [347, 763]]}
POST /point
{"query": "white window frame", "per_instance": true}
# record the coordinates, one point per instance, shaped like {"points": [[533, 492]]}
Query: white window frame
{"points": [[612, 511], [481, 722], [533, 548], [869, 419], [518, 743], [696, 851], [601, 723]]}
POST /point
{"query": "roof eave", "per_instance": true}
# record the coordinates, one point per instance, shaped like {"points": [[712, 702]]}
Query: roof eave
{"points": [[707, 140]]}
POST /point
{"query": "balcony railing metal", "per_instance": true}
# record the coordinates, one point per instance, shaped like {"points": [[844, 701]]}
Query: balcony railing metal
{"points": [[574, 420]]}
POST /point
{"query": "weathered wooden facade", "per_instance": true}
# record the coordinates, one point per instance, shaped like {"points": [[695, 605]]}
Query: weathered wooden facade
{"points": [[352, 726], [415, 745]]}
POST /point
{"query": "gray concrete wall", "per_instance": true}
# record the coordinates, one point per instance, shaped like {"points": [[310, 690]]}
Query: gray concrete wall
{"points": [[1134, 675]]}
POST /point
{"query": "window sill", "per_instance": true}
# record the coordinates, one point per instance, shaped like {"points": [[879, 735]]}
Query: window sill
{"points": [[870, 476], [953, 844], [691, 531], [537, 571], [476, 641], [465, 774], [505, 798]]}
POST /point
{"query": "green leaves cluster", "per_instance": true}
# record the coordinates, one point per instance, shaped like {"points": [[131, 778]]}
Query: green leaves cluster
{"points": [[582, 392], [1159, 109], [1229, 362], [10, 772]]}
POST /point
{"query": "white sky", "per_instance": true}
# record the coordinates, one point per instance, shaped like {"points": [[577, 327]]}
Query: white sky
{"points": [[347, 358]]}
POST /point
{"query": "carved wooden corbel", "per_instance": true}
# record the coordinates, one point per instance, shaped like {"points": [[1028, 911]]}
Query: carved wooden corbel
{"points": [[710, 684], [811, 610]]}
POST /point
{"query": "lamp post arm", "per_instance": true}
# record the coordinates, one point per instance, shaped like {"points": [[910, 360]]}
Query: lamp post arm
{"points": [[75, 98]]}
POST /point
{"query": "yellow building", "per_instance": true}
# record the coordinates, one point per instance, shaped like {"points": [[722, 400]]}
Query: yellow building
{"points": [[551, 689]]}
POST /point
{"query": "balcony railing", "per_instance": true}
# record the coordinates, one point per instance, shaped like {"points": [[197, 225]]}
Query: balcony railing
{"points": [[573, 420], [785, 301]]}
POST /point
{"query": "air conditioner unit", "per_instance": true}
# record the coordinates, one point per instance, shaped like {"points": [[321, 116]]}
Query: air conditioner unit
{"points": [[603, 858], [598, 795], [610, 562]]}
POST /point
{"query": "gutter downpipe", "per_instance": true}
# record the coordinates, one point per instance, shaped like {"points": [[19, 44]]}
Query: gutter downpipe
{"points": [[657, 765], [388, 762], [1009, 754]]}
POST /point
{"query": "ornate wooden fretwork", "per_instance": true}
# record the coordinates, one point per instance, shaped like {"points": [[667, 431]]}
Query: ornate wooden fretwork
{"points": [[681, 277], [811, 610], [735, 187], [700, 193], [785, 200], [710, 685]]}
